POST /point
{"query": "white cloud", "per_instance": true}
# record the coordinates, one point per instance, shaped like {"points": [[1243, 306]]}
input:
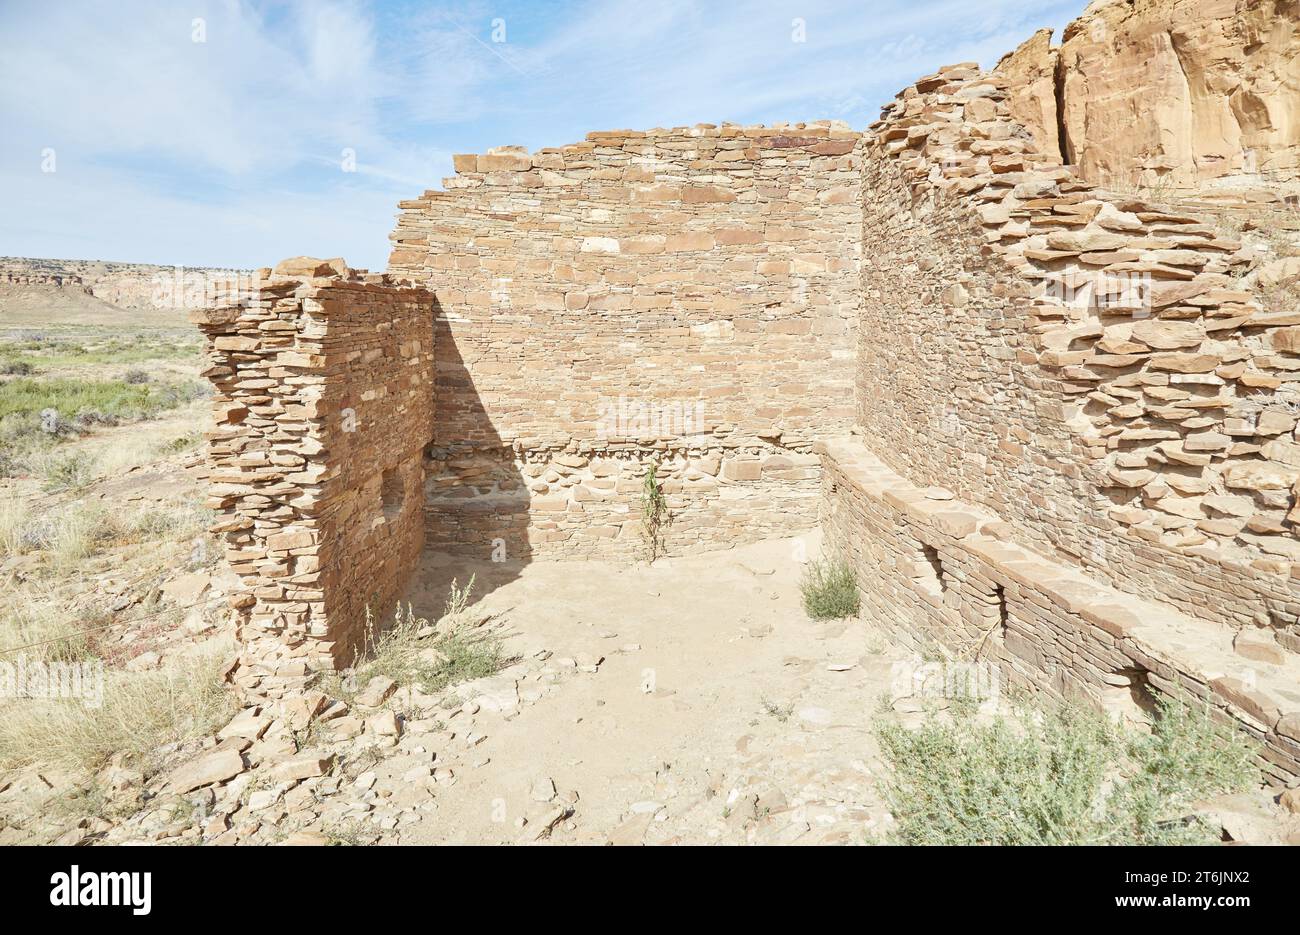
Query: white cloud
{"points": [[228, 151], [105, 216]]}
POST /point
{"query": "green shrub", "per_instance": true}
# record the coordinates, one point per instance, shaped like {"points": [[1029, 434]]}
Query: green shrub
{"points": [[830, 589], [1064, 776], [67, 472], [69, 397], [89, 350]]}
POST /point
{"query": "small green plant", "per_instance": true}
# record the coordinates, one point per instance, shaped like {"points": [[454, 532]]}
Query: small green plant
{"points": [[1061, 776], [349, 834], [781, 712], [830, 589], [654, 514]]}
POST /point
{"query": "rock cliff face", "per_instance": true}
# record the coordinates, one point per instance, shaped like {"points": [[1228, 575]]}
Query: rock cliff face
{"points": [[128, 285], [1176, 91], [1032, 68]]}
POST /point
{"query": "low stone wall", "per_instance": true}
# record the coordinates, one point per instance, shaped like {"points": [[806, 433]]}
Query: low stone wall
{"points": [[324, 404], [938, 572], [580, 501]]}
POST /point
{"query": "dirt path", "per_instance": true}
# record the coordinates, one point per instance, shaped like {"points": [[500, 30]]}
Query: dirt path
{"points": [[720, 712]]}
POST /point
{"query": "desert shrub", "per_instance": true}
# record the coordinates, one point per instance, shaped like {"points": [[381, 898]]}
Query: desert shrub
{"points": [[178, 394], [187, 442], [70, 534], [25, 434], [90, 418], [1062, 776], [135, 376], [12, 367], [413, 652], [458, 598], [66, 472], [655, 516], [88, 350], [97, 400], [830, 589], [69, 397], [173, 521]]}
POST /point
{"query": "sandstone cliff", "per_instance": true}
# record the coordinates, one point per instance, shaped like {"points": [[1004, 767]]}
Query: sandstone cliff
{"points": [[125, 285], [1177, 91]]}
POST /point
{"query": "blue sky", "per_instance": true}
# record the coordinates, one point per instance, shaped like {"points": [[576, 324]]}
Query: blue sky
{"points": [[217, 133]]}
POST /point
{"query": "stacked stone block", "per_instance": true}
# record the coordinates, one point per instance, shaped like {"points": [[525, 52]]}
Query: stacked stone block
{"points": [[323, 408], [947, 575], [1083, 363], [711, 268], [584, 500]]}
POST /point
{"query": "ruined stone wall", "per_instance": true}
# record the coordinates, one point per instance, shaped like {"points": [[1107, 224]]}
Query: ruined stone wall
{"points": [[586, 498], [942, 574], [1080, 365], [323, 408], [682, 297], [1167, 91]]}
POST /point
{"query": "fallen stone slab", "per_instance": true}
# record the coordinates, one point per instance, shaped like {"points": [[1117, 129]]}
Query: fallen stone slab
{"points": [[212, 769]]}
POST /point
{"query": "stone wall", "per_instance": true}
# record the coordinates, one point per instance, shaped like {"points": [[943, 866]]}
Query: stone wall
{"points": [[942, 574], [680, 297], [588, 498], [1082, 365], [324, 405], [1178, 92]]}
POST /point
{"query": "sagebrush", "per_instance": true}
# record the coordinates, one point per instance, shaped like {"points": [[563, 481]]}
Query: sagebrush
{"points": [[1061, 776], [830, 589]]}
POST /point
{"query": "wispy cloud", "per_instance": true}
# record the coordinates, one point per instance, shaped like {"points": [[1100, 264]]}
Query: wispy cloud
{"points": [[233, 150]]}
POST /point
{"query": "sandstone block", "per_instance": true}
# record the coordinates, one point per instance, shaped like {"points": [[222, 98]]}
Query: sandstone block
{"points": [[735, 469], [210, 769]]}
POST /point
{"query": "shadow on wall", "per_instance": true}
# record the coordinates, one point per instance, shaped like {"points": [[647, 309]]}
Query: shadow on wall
{"points": [[476, 500]]}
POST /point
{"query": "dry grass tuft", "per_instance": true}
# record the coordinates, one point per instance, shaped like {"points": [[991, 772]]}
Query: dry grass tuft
{"points": [[141, 715]]}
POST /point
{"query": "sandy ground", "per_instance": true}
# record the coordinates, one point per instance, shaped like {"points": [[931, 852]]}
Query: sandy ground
{"points": [[720, 712]]}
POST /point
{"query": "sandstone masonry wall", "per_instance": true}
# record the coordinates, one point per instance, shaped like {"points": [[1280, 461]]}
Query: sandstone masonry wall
{"points": [[937, 572], [1081, 365], [682, 297], [583, 499], [324, 406]]}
